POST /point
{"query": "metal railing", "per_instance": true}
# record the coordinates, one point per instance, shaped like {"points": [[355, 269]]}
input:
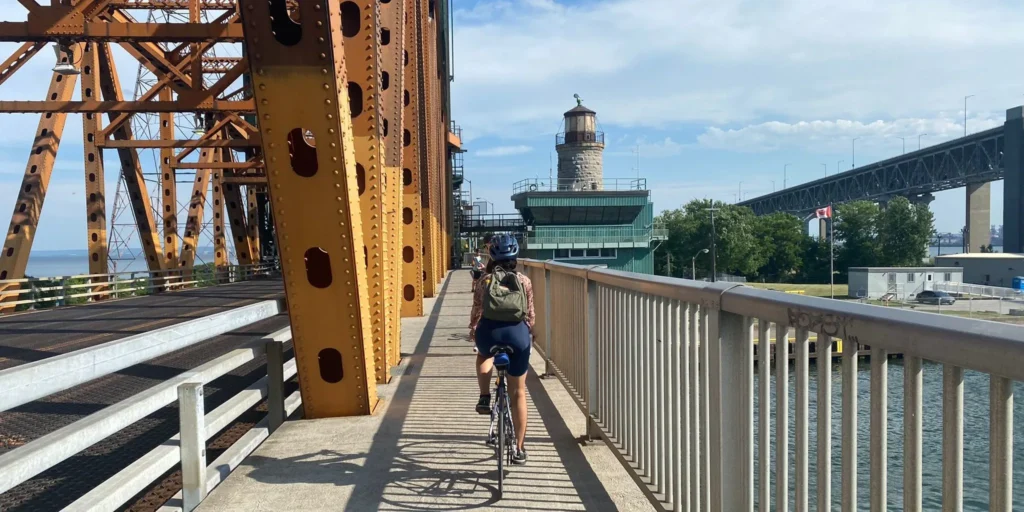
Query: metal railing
{"points": [[64, 290], [664, 369], [591, 235], [578, 185], [965, 289], [25, 383], [571, 137]]}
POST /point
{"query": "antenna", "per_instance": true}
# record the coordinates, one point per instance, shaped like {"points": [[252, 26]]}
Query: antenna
{"points": [[551, 176]]}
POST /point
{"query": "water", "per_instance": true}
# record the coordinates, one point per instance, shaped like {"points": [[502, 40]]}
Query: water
{"points": [[976, 434], [955, 249], [75, 262]]}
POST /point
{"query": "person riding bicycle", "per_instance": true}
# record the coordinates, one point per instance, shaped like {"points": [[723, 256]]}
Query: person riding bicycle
{"points": [[503, 315]]}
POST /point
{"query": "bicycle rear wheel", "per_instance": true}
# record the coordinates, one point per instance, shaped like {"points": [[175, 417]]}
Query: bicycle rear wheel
{"points": [[501, 446]]}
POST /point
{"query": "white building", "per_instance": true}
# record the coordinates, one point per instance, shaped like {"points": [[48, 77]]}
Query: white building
{"points": [[989, 269], [903, 282]]}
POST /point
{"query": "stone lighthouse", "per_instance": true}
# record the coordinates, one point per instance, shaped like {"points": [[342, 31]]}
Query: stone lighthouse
{"points": [[579, 149]]}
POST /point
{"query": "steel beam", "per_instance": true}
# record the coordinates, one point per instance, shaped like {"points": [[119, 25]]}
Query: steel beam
{"points": [[252, 142], [131, 168], [236, 218], [29, 205], [98, 31], [169, 188], [301, 87], [428, 157], [95, 185], [247, 180], [196, 204], [362, 46], [412, 209], [134, 107], [18, 59], [392, 16], [220, 246], [253, 223]]}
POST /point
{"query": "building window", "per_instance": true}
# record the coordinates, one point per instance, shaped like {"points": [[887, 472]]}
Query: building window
{"points": [[910, 277], [892, 278], [586, 254], [948, 276]]}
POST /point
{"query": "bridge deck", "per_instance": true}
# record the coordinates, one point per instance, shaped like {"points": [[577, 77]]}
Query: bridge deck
{"points": [[424, 448]]}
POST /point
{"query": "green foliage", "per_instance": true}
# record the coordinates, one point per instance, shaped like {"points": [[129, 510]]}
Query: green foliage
{"points": [[783, 241], [904, 230], [690, 231], [856, 232], [816, 265]]}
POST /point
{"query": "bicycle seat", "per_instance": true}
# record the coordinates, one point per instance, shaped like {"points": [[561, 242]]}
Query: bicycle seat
{"points": [[500, 353], [501, 349]]}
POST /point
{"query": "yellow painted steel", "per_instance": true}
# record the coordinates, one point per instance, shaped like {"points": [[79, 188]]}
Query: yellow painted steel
{"points": [[236, 218], [196, 207], [169, 187], [253, 224], [362, 52], [427, 158], [392, 37], [220, 246], [412, 215], [29, 205], [95, 186], [300, 83]]}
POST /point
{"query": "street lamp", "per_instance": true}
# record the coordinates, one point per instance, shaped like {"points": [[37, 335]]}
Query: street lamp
{"points": [[904, 144], [693, 263], [739, 191], [965, 113], [839, 166], [853, 153], [784, 167], [826, 169], [714, 249], [919, 140], [773, 185]]}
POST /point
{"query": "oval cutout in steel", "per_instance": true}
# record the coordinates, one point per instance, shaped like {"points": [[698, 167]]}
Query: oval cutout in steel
{"points": [[286, 31], [410, 292], [407, 215], [408, 254], [407, 177], [349, 19], [331, 368], [302, 151], [355, 99], [385, 80], [360, 178], [385, 36], [318, 267], [406, 138]]}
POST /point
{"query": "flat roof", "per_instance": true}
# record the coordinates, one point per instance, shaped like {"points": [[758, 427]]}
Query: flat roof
{"points": [[906, 269], [984, 255]]}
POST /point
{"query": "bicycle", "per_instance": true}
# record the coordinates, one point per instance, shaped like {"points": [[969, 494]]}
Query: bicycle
{"points": [[504, 439]]}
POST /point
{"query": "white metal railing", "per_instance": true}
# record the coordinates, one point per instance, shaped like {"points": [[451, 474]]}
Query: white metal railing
{"points": [[965, 289], [664, 369], [59, 290], [44, 377]]}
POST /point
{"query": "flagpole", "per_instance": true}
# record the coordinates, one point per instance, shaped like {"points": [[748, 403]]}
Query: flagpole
{"points": [[831, 251]]}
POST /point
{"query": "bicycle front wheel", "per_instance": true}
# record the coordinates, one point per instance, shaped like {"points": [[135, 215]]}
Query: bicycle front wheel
{"points": [[501, 454]]}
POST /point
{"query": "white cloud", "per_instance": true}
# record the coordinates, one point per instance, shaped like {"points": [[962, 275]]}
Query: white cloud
{"points": [[829, 136], [655, 63], [503, 151]]}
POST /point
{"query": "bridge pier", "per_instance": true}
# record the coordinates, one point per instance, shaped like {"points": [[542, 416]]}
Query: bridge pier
{"points": [[1013, 180], [979, 216]]}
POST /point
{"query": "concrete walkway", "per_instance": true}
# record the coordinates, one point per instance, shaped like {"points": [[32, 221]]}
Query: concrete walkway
{"points": [[424, 448]]}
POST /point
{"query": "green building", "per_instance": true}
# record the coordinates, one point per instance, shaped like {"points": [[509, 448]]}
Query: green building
{"points": [[582, 218]]}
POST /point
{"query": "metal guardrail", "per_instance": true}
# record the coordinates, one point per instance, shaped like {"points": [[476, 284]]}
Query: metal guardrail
{"points": [[60, 290], [664, 370], [966, 289], [591, 235], [578, 185], [571, 137], [188, 448]]}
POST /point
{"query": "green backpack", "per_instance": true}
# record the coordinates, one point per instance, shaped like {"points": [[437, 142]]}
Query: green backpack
{"points": [[504, 303]]}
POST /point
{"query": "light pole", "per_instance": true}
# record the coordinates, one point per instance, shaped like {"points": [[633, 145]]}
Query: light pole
{"points": [[904, 144], [784, 168], [826, 169], [693, 262], [839, 166], [853, 153], [637, 151], [773, 185], [714, 249], [965, 113], [919, 140], [739, 192]]}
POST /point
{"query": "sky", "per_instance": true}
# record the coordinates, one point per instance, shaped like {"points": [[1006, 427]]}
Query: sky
{"points": [[717, 95]]}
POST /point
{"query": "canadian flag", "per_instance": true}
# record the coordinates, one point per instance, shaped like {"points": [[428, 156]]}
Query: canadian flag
{"points": [[823, 213]]}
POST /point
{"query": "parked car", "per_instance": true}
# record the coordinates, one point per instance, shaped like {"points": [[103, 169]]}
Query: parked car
{"points": [[937, 298]]}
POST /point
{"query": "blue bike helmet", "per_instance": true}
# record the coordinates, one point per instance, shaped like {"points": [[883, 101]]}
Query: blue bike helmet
{"points": [[503, 248]]}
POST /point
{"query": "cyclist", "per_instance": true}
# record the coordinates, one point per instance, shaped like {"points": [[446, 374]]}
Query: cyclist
{"points": [[503, 314]]}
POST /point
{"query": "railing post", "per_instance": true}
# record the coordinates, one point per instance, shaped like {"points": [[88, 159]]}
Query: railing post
{"points": [[548, 367], [192, 422], [275, 384], [733, 362], [593, 431]]}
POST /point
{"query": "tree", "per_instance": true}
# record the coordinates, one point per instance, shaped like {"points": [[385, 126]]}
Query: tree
{"points": [[904, 230], [782, 238], [856, 235], [816, 266], [690, 231]]}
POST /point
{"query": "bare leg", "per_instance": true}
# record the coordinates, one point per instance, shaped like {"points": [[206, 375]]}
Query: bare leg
{"points": [[483, 373], [517, 397]]}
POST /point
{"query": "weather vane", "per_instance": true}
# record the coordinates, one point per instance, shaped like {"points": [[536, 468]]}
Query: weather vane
{"points": [[579, 101]]}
